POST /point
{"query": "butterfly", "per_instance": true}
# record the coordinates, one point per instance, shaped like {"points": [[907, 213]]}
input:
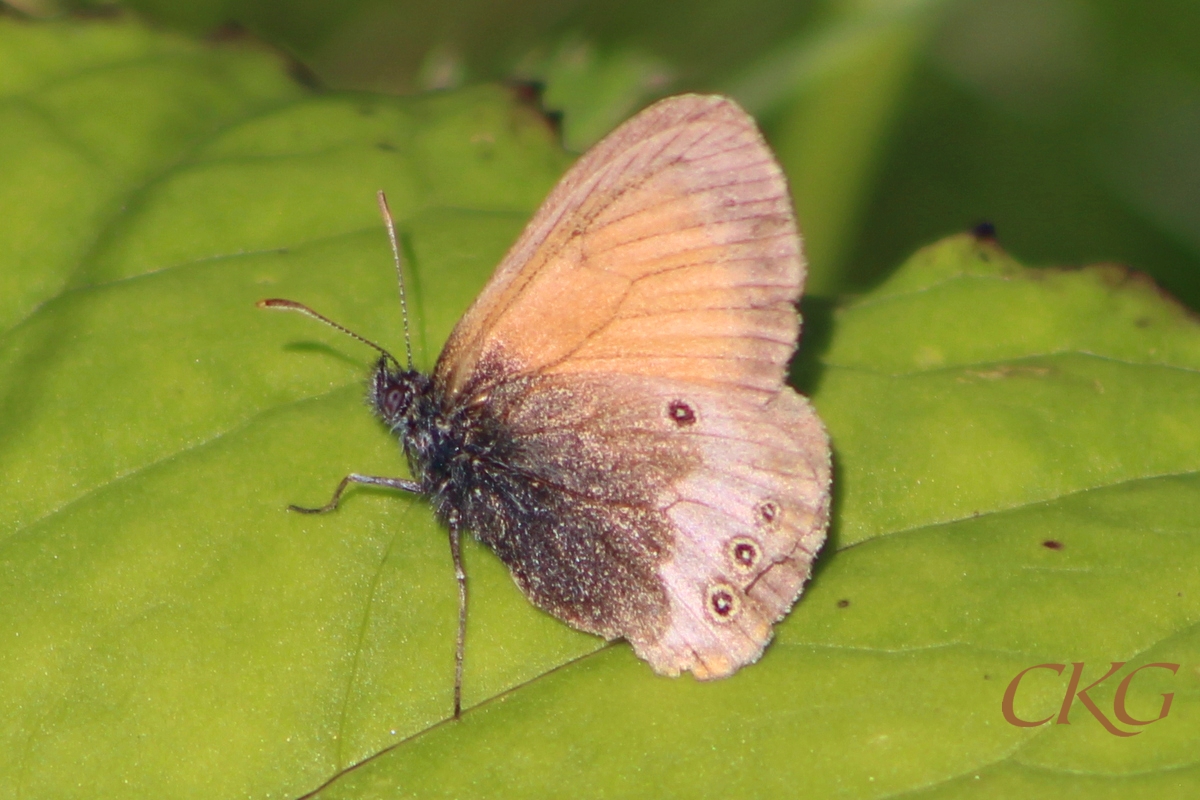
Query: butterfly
{"points": [[610, 416]]}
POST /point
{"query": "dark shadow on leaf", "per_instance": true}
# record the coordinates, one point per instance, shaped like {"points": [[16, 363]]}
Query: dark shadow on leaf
{"points": [[807, 368], [816, 334], [321, 347]]}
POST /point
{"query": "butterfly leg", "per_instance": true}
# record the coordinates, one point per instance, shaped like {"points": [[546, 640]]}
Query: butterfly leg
{"points": [[456, 553], [402, 484]]}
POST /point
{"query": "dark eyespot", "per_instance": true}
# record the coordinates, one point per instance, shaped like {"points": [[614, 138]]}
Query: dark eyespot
{"points": [[768, 511], [723, 603], [681, 413], [744, 552]]}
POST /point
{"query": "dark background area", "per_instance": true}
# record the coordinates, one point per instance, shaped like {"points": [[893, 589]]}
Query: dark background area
{"points": [[1072, 125]]}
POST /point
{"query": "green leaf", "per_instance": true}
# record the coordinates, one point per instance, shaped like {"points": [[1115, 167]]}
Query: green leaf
{"points": [[1017, 466], [1069, 125], [594, 90], [830, 93]]}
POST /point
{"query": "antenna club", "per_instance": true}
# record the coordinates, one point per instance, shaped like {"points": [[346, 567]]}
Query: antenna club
{"points": [[275, 302]]}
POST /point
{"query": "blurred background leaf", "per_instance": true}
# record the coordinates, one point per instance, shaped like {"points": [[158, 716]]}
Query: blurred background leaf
{"points": [[1072, 125]]}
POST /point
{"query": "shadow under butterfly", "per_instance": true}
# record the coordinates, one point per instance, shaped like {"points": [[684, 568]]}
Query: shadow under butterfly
{"points": [[610, 416]]}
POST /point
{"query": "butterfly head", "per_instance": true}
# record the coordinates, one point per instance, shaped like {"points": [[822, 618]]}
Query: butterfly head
{"points": [[395, 393]]}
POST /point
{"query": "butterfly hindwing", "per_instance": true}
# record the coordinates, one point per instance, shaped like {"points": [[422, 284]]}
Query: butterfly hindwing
{"points": [[656, 501], [570, 500], [748, 521]]}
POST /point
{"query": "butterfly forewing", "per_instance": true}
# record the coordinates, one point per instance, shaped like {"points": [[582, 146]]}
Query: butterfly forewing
{"points": [[669, 249], [659, 481]]}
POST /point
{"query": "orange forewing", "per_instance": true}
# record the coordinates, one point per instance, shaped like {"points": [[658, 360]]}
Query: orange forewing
{"points": [[669, 249]]}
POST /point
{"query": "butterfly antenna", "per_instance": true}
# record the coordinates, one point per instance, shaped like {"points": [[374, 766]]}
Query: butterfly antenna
{"points": [[391, 231], [292, 305]]}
